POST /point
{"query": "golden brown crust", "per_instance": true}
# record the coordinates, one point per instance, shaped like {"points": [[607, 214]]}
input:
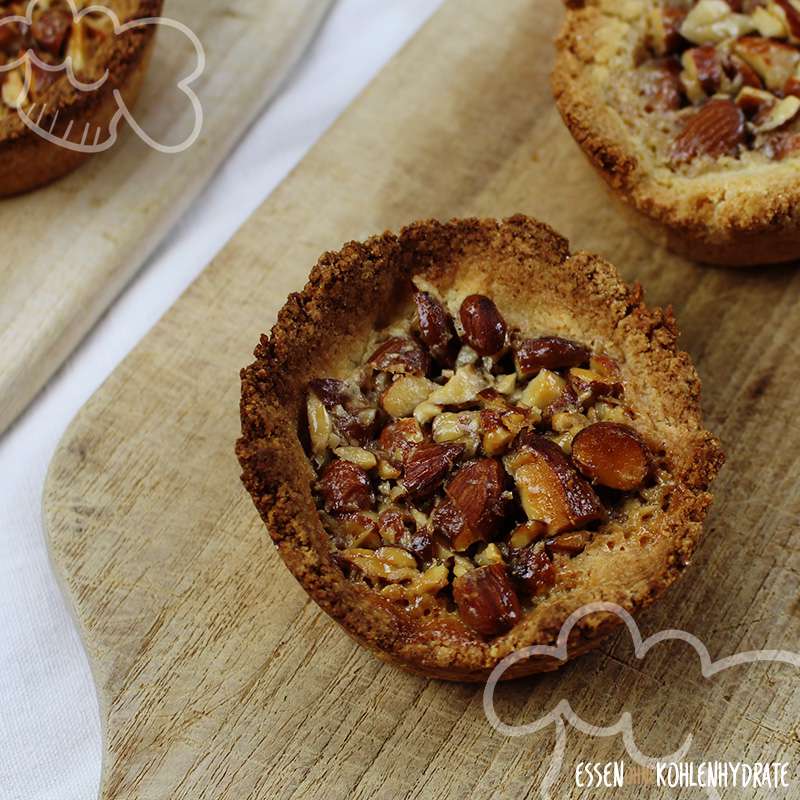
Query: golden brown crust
{"points": [[737, 214], [27, 161], [539, 285]]}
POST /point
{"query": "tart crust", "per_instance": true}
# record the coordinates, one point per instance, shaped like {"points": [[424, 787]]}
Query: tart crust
{"points": [[27, 161], [527, 268], [737, 213]]}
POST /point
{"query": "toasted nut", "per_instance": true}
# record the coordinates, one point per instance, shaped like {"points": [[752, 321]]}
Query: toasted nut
{"points": [[661, 84], [665, 34], [489, 555], [544, 390], [466, 355], [426, 411], [387, 471], [743, 75], [782, 112], [590, 385], [459, 426], [399, 438], [527, 533], [345, 487], [755, 102], [448, 522], [612, 455], [789, 13], [496, 436], [433, 580], [505, 384], [392, 526], [704, 65], [568, 422], [436, 328], [484, 327], [775, 62], [462, 388], [360, 530], [712, 21], [461, 565], [486, 600], [319, 424], [358, 456], [405, 394], [477, 492], [14, 94], [427, 466], [548, 352], [569, 543], [550, 489], [392, 564], [717, 129], [769, 25], [532, 570], [51, 28], [401, 355], [351, 416]]}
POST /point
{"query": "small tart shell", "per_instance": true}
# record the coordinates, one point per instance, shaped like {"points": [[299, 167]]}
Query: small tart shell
{"points": [[27, 161], [735, 212], [527, 269]]}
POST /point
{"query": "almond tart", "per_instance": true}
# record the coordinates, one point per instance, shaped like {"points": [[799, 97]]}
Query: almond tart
{"points": [[690, 110], [459, 435], [48, 98]]}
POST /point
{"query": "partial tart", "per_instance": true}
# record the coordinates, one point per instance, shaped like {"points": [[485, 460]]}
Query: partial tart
{"points": [[459, 435], [690, 110], [48, 98]]}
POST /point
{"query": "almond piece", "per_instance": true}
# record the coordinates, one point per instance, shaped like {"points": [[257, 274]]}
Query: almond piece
{"points": [[713, 21], [401, 355], [590, 385], [484, 327], [755, 102], [717, 129], [775, 62], [665, 29], [427, 466], [496, 437], [360, 530], [612, 455], [704, 65], [405, 394], [319, 424], [790, 14], [345, 488], [461, 389], [550, 489], [476, 491], [779, 114], [436, 329], [532, 570], [486, 600], [544, 390], [769, 25], [392, 564], [398, 439], [569, 543], [548, 352]]}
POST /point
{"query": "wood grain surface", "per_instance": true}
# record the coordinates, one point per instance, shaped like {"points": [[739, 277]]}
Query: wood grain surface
{"points": [[69, 249], [218, 677]]}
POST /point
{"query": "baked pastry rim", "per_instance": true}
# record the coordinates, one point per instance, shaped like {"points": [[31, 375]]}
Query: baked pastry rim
{"points": [[274, 386], [727, 217]]}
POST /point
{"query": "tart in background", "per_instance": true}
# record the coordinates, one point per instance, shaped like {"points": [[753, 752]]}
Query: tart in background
{"points": [[27, 160], [690, 110], [459, 435]]}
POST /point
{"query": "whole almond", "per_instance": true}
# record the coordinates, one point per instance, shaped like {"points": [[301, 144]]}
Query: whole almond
{"points": [[427, 466], [613, 455], [486, 600], [548, 352], [345, 488], [717, 129], [401, 355], [436, 328], [484, 327]]}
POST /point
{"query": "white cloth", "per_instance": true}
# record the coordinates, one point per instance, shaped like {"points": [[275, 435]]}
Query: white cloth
{"points": [[50, 736]]}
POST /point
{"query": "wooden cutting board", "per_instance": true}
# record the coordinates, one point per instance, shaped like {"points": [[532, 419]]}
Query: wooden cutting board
{"points": [[218, 677], [69, 249]]}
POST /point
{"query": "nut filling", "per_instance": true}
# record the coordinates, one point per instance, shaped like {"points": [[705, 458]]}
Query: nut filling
{"points": [[52, 37], [727, 74], [465, 465]]}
